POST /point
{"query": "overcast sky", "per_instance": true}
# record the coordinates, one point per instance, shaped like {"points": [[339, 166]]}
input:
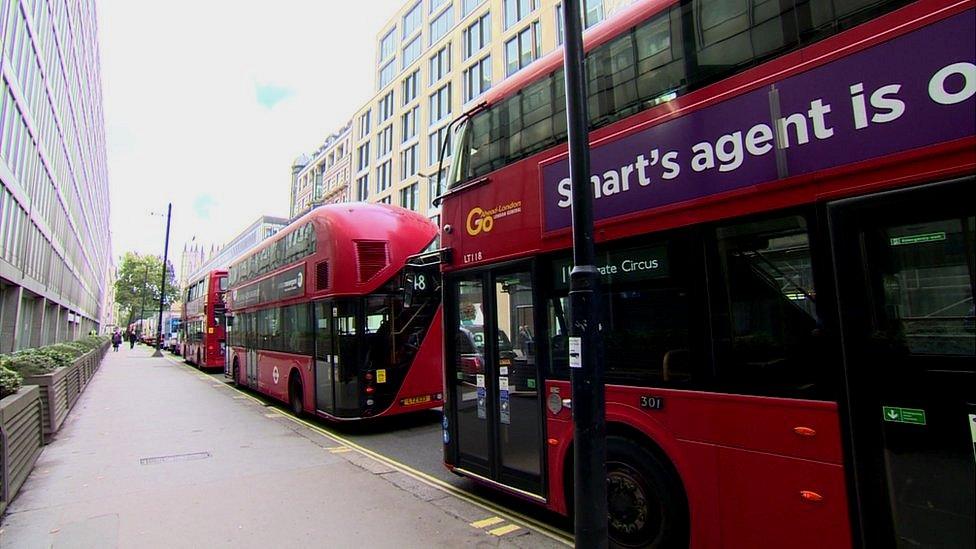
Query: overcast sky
{"points": [[207, 103]]}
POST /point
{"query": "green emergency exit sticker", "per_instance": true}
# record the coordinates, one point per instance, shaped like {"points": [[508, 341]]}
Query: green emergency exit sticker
{"points": [[917, 239], [894, 414]]}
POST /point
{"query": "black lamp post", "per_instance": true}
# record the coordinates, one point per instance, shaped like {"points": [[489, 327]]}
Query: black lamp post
{"points": [[162, 291], [142, 312], [585, 342]]}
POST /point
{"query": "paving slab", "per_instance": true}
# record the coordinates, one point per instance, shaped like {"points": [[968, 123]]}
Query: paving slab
{"points": [[154, 456]]}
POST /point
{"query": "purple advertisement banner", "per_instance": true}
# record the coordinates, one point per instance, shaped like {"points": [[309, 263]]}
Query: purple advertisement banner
{"points": [[913, 91]]}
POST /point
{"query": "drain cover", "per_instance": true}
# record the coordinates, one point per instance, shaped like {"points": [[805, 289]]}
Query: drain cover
{"points": [[178, 457]]}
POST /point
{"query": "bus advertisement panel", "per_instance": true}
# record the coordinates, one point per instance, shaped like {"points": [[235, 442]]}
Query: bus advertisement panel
{"points": [[329, 317], [786, 256]]}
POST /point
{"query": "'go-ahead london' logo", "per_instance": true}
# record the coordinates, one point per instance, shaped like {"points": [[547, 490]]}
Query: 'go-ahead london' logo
{"points": [[482, 221]]}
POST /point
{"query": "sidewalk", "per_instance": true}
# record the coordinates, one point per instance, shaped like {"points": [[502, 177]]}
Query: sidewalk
{"points": [[153, 456]]}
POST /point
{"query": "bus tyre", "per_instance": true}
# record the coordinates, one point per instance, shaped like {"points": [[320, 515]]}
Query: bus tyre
{"points": [[295, 395], [645, 501]]}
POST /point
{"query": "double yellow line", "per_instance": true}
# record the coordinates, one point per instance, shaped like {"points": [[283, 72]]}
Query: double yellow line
{"points": [[513, 517]]}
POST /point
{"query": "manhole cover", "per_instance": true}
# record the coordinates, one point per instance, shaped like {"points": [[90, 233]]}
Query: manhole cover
{"points": [[178, 457]]}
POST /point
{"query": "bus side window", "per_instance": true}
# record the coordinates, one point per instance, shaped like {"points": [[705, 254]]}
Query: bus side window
{"points": [[766, 325]]}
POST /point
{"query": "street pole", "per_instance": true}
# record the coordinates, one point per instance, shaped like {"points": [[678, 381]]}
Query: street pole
{"points": [[162, 292], [585, 342]]}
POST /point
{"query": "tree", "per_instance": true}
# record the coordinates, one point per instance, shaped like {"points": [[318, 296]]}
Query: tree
{"points": [[138, 284]]}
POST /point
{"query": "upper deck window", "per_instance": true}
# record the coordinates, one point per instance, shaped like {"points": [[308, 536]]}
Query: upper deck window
{"points": [[647, 65]]}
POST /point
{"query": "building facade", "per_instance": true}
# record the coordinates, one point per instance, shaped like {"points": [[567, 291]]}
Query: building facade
{"points": [[262, 228], [325, 177], [435, 58], [55, 245]]}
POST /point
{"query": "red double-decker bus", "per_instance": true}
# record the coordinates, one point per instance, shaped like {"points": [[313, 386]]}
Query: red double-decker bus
{"points": [[329, 317], [203, 331], [787, 261]]}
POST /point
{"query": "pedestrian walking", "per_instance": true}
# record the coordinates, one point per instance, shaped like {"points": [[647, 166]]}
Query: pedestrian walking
{"points": [[116, 340], [132, 339]]}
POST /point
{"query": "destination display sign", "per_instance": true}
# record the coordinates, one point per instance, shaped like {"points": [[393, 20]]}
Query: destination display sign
{"points": [[629, 265], [284, 285], [913, 91]]}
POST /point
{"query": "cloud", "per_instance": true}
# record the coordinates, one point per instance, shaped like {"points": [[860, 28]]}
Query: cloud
{"points": [[270, 95], [202, 205]]}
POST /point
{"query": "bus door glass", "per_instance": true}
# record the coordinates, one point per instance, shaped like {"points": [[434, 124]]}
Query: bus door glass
{"points": [[324, 381], [346, 357], [495, 388], [905, 284]]}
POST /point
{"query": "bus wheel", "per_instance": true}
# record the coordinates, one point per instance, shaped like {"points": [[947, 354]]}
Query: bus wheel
{"points": [[645, 502], [295, 395]]}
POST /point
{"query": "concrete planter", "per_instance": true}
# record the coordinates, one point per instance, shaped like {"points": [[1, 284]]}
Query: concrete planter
{"points": [[21, 437], [60, 389], [54, 395]]}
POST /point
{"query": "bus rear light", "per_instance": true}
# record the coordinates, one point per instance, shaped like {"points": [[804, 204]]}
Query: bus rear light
{"points": [[805, 431], [369, 402], [369, 376], [370, 389], [553, 441], [812, 497]]}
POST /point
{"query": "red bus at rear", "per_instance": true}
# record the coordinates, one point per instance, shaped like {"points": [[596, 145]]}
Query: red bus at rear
{"points": [[204, 308]]}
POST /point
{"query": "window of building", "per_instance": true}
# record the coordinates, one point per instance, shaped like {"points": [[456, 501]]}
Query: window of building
{"points": [[410, 197], [384, 142], [387, 72], [440, 104], [435, 141], [385, 107], [412, 21], [440, 25], [436, 4], [388, 45], [477, 78], [477, 36], [435, 184], [409, 124], [364, 124], [363, 161], [468, 6], [409, 91], [440, 64], [408, 162], [516, 10], [362, 188], [386, 200], [522, 49], [411, 52], [592, 12], [383, 176]]}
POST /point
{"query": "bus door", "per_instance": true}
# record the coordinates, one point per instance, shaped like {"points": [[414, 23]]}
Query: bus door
{"points": [[324, 381], [904, 266], [493, 379], [337, 358], [252, 354]]}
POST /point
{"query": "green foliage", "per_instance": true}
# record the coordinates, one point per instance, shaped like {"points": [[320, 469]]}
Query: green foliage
{"points": [[44, 360], [138, 284], [9, 381]]}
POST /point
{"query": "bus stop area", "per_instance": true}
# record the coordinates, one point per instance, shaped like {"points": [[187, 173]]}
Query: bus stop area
{"points": [[159, 454]]}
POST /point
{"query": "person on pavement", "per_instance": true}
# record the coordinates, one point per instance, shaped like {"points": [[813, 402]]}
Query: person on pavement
{"points": [[116, 340], [132, 339]]}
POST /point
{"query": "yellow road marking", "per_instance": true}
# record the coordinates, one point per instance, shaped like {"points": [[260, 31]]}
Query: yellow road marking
{"points": [[340, 449], [507, 529], [490, 521], [512, 516], [273, 415]]}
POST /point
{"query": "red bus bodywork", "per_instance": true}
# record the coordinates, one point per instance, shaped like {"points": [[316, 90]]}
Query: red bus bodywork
{"points": [[204, 338], [740, 458], [360, 250]]}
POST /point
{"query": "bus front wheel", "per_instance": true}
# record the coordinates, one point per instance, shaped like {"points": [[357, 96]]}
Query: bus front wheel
{"points": [[295, 395], [645, 501]]}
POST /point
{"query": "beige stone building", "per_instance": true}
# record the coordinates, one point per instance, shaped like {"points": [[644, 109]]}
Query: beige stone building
{"points": [[325, 177], [434, 59]]}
